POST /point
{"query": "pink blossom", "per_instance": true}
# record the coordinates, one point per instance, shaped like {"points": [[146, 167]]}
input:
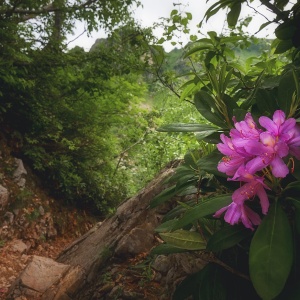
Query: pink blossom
{"points": [[294, 141], [235, 213], [244, 131], [270, 151], [229, 163], [251, 152], [253, 185], [279, 127]]}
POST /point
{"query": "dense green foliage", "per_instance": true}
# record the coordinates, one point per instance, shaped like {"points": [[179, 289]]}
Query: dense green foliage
{"points": [[247, 231], [70, 114], [84, 121]]}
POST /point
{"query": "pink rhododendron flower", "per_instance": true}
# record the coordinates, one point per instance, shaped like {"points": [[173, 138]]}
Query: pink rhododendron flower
{"points": [[253, 185], [270, 152], [231, 162], [294, 141], [279, 127], [244, 132], [250, 153], [235, 213]]}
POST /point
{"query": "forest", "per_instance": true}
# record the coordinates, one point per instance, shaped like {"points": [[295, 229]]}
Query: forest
{"points": [[97, 126]]}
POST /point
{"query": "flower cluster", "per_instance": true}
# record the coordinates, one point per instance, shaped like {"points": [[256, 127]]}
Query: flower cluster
{"points": [[251, 155]]}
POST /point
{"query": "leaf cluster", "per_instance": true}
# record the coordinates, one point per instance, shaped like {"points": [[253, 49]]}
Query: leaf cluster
{"points": [[262, 263]]}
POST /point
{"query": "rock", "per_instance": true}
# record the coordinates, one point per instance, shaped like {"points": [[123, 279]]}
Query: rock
{"points": [[138, 240], [20, 173], [39, 275], [162, 264], [19, 246], [3, 197], [41, 210], [9, 217]]}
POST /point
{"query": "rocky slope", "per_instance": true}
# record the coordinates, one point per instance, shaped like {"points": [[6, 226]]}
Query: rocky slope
{"points": [[31, 222]]}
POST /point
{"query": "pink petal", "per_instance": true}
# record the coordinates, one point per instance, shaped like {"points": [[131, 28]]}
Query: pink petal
{"points": [[279, 168], [279, 117], [250, 217], [264, 201], [268, 124], [233, 214], [289, 124]]}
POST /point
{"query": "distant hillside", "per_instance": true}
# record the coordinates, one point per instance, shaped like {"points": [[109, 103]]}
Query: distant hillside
{"points": [[175, 61]]}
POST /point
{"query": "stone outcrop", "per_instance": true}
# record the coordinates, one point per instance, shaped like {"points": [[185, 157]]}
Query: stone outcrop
{"points": [[20, 173], [3, 197]]}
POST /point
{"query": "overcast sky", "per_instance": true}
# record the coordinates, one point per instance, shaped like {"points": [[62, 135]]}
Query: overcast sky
{"points": [[153, 10]]}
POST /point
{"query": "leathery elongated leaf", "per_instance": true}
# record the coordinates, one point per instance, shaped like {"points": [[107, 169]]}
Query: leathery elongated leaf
{"points": [[166, 249], [170, 192], [227, 237], [208, 284], [271, 253], [183, 239], [203, 209], [233, 15], [186, 127]]}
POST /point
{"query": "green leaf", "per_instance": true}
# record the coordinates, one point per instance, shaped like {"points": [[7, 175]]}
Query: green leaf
{"points": [[174, 12], [239, 114], [285, 31], [197, 49], [180, 172], [227, 237], [204, 134], [168, 193], [283, 46], [210, 162], [188, 287], [233, 15], [163, 196], [166, 249], [296, 204], [203, 209], [213, 138], [191, 158], [158, 53], [188, 90], [281, 3], [249, 101], [184, 239], [208, 284], [178, 211], [205, 104], [166, 226], [191, 190], [184, 127], [296, 172], [262, 26], [271, 253], [286, 90], [292, 189], [266, 102]]}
